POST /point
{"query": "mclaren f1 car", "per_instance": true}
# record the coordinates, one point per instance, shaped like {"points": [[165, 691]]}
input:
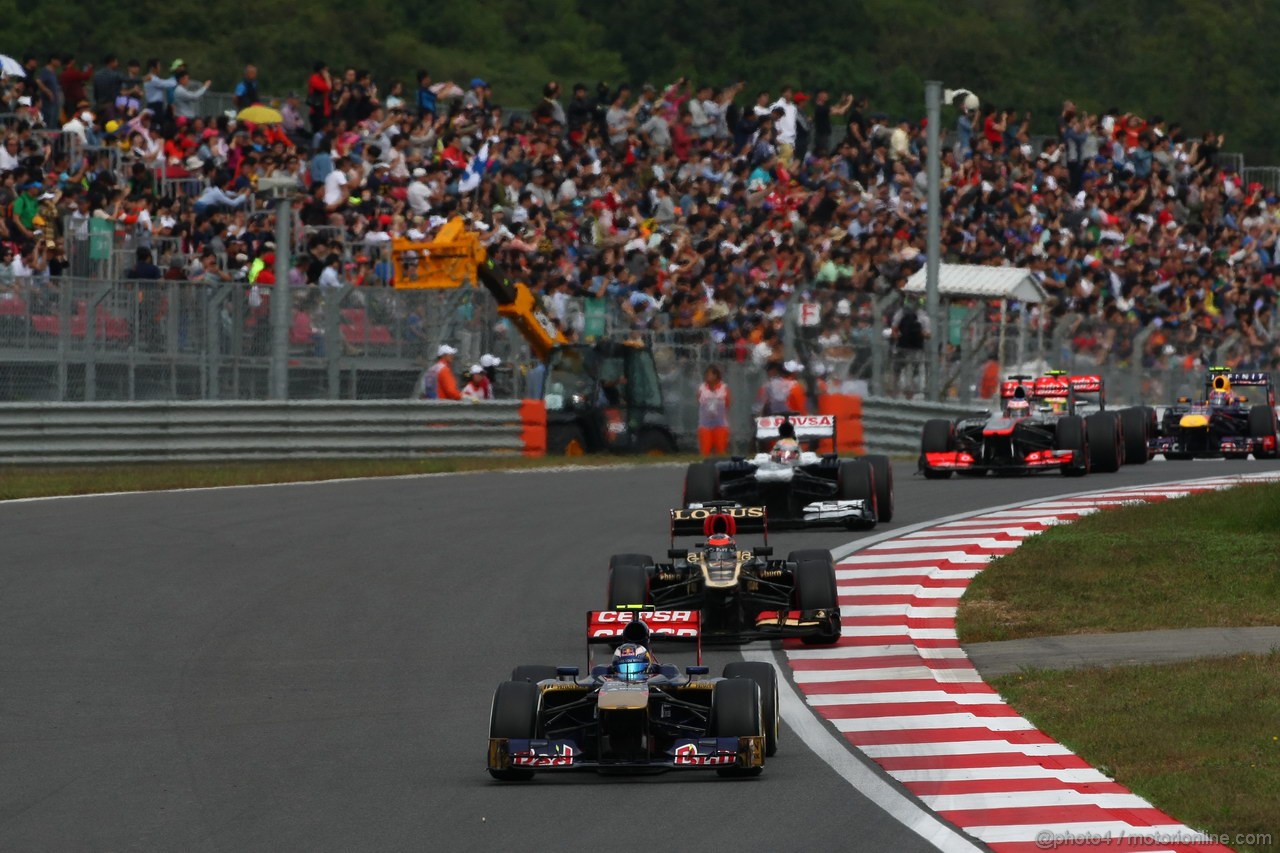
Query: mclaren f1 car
{"points": [[635, 713], [798, 486], [1052, 423], [743, 593]]}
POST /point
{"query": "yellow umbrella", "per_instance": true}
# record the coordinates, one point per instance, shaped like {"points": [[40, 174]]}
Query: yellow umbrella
{"points": [[258, 114]]}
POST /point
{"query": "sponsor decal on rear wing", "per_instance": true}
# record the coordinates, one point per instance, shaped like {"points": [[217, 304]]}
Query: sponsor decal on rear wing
{"points": [[605, 626], [705, 519], [1060, 386], [1249, 378], [806, 426]]}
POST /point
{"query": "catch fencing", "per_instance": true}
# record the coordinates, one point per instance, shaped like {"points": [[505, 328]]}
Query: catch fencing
{"points": [[65, 433]]}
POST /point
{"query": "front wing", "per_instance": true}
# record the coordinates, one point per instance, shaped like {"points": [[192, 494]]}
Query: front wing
{"points": [[706, 753], [803, 500], [1036, 460], [1211, 446]]}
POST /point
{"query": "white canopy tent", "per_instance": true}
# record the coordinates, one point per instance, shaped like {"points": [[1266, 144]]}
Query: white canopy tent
{"points": [[973, 281]]}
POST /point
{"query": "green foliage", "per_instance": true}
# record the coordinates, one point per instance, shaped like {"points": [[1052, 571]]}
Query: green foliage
{"points": [[1198, 61]]}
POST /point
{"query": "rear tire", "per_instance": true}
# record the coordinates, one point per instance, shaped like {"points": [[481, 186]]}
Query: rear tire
{"points": [[814, 588], [883, 469], [766, 678], [514, 714], [565, 440], [701, 483], [939, 436], [735, 712], [655, 442], [1262, 423], [1134, 426], [856, 481], [1070, 435], [1105, 448], [628, 584]]}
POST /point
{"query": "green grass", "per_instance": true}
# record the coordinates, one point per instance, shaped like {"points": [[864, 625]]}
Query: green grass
{"points": [[1209, 560], [32, 482], [1200, 740]]}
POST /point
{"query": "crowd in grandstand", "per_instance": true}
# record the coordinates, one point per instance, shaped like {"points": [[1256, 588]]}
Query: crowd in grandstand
{"points": [[686, 206]]}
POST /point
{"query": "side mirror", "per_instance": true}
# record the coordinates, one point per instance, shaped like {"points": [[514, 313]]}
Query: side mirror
{"points": [[763, 551], [677, 553], [566, 672], [697, 670]]}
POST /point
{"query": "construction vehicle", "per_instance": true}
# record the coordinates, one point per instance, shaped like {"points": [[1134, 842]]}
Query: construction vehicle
{"points": [[600, 396]]}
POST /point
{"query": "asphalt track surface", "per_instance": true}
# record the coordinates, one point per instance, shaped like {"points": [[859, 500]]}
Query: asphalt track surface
{"points": [[310, 667]]}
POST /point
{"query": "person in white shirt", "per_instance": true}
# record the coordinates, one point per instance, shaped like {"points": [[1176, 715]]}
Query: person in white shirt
{"points": [[186, 101], [335, 185], [9, 160], [330, 277], [419, 192], [785, 125]]}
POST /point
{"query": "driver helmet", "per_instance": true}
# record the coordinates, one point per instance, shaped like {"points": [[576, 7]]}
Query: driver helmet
{"points": [[1017, 407], [720, 546], [1058, 405], [1220, 398], [631, 662], [786, 450]]}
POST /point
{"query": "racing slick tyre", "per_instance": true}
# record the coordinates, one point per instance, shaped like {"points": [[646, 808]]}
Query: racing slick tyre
{"points": [[735, 712], [514, 715], [939, 436], [533, 672], [1070, 435], [856, 481], [884, 486], [1262, 423], [1105, 447], [628, 585], [1135, 427], [766, 678], [701, 483], [814, 588]]}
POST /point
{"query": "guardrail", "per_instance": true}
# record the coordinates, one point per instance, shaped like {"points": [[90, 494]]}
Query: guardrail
{"points": [[203, 431], [894, 426]]}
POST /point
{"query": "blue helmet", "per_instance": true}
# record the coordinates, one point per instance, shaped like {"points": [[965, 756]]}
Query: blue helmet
{"points": [[631, 662]]}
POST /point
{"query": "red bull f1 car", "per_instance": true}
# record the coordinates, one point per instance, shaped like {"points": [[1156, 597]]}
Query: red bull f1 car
{"points": [[634, 714], [1225, 424], [799, 487], [1053, 423], [743, 593]]}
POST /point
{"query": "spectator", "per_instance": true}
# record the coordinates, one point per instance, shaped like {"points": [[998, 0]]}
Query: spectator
{"points": [[186, 101], [72, 80], [47, 82], [107, 82], [247, 89], [477, 387]]}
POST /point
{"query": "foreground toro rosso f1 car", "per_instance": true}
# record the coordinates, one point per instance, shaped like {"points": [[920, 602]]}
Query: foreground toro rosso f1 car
{"points": [[1054, 423], [742, 593], [1224, 425], [798, 487], [634, 713]]}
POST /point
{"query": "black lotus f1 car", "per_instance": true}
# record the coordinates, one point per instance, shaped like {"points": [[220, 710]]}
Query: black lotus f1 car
{"points": [[1224, 424], [743, 593], [798, 487], [551, 719]]}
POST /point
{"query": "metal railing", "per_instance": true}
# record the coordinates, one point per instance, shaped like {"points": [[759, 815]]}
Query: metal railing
{"points": [[60, 433]]}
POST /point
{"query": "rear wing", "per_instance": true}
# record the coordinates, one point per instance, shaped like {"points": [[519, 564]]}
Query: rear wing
{"points": [[643, 625], [1057, 384], [719, 517], [1263, 379], [805, 426]]}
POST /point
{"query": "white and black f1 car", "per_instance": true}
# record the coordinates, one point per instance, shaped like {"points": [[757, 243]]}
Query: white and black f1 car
{"points": [[743, 593], [798, 487], [644, 718]]}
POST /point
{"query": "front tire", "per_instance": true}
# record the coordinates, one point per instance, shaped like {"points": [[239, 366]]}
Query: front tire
{"points": [[1105, 448], [814, 588], [1070, 435], [939, 436], [514, 715], [1135, 426], [735, 712], [766, 678], [856, 481]]}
